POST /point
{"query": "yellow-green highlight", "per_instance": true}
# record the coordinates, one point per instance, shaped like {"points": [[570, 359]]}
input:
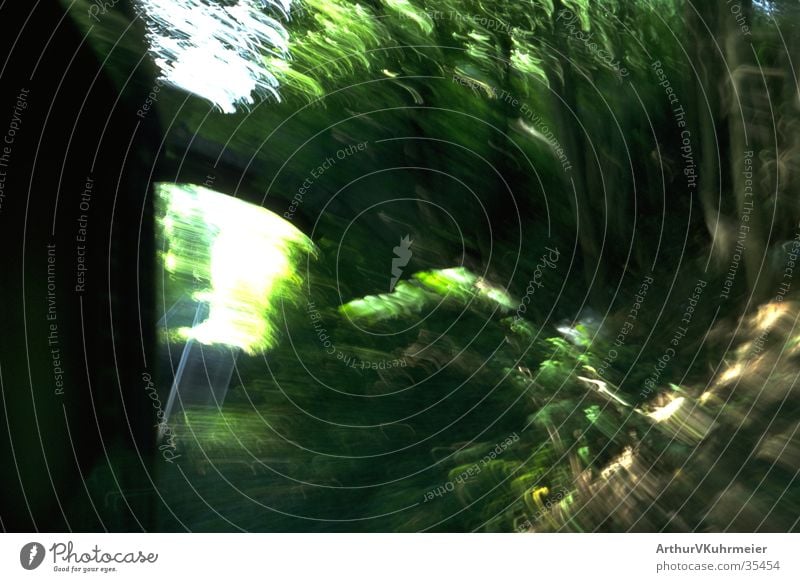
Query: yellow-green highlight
{"points": [[240, 258]]}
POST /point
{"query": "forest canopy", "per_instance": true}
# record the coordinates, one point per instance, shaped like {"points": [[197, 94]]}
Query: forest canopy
{"points": [[445, 265]]}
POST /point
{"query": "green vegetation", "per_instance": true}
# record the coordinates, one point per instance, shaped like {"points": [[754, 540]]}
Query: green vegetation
{"points": [[623, 134]]}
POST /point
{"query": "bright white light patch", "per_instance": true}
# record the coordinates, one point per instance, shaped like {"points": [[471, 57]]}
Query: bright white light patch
{"points": [[731, 373], [769, 314], [665, 412], [218, 52], [240, 258]]}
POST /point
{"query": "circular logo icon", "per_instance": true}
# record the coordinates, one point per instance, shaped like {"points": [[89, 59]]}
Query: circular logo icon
{"points": [[31, 555]]}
